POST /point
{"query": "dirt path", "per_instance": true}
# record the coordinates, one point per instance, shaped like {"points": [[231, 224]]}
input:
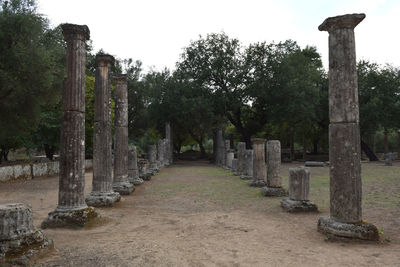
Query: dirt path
{"points": [[195, 214]]}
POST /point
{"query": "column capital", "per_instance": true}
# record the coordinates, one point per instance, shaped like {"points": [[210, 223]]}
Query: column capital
{"points": [[74, 31], [121, 78], [349, 21], [258, 140], [104, 59]]}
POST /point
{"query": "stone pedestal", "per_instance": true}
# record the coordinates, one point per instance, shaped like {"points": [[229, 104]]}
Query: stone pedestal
{"points": [[102, 193], [121, 183], [133, 171], [234, 166], [20, 242], [299, 187], [152, 157], [259, 169], [160, 152], [72, 209], [241, 147], [229, 157], [143, 172], [274, 179], [345, 219], [248, 165]]}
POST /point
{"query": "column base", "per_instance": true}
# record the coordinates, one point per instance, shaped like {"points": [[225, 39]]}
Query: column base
{"points": [[274, 192], [102, 199], [69, 218], [338, 231], [123, 188], [291, 205], [137, 181], [257, 183], [246, 177], [146, 176]]}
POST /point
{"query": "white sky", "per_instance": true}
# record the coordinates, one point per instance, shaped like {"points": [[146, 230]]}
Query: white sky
{"points": [[156, 31]]}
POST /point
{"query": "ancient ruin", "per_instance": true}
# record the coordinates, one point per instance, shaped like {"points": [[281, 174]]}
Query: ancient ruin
{"points": [[133, 170], [121, 183], [247, 165], [259, 169], [72, 209], [274, 180], [345, 220], [152, 157], [229, 157], [102, 193], [299, 188], [241, 148]]}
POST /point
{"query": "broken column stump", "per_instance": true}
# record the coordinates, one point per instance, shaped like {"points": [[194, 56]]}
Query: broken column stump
{"points": [[247, 165], [259, 169], [152, 157], [299, 188], [274, 180], [345, 220], [133, 171]]}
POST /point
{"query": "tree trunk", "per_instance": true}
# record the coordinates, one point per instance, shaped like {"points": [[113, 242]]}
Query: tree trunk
{"points": [[49, 150], [398, 144], [304, 147], [370, 154], [292, 156], [202, 150], [374, 143], [215, 147], [315, 146], [385, 141]]}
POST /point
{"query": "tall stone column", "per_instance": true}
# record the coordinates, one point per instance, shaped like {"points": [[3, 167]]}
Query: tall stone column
{"points": [[72, 209], [274, 179], [102, 193], [160, 152], [299, 188], [241, 147], [168, 136], [248, 165], [19, 240], [345, 219], [220, 147], [259, 169], [152, 157], [133, 170], [121, 183]]}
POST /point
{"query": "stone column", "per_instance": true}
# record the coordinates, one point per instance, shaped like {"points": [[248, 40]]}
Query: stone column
{"points": [[152, 157], [299, 187], [248, 165], [160, 152], [234, 166], [345, 219], [72, 209], [102, 193], [274, 179], [241, 147], [19, 240], [121, 183], [133, 171], [220, 148], [143, 172], [259, 169], [170, 149], [227, 147], [229, 157]]}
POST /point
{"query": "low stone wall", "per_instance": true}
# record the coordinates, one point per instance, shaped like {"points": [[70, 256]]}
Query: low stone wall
{"points": [[29, 171]]}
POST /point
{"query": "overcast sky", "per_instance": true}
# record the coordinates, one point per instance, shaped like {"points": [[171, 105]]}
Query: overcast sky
{"points": [[156, 31]]}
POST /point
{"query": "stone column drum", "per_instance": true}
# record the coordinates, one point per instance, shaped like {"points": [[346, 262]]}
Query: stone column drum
{"points": [[20, 242], [133, 171], [72, 209], [229, 157], [168, 136], [299, 188], [345, 219], [160, 153], [259, 169], [248, 165], [102, 193], [152, 157], [234, 166], [241, 147], [274, 179], [121, 183]]}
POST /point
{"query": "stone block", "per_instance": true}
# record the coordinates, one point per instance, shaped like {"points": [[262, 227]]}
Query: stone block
{"points": [[274, 191], [39, 169], [291, 205], [102, 199], [6, 173], [53, 167], [299, 183]]}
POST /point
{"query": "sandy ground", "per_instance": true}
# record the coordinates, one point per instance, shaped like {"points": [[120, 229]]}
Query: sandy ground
{"points": [[179, 228]]}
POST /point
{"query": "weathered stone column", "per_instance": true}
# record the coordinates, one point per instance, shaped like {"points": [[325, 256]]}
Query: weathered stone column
{"points": [[259, 169], [133, 171], [19, 240], [152, 157], [241, 147], [160, 152], [102, 193], [170, 149], [248, 165], [72, 209], [274, 179], [143, 172], [229, 157], [345, 219], [234, 166], [121, 183], [227, 147], [299, 188], [220, 148]]}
